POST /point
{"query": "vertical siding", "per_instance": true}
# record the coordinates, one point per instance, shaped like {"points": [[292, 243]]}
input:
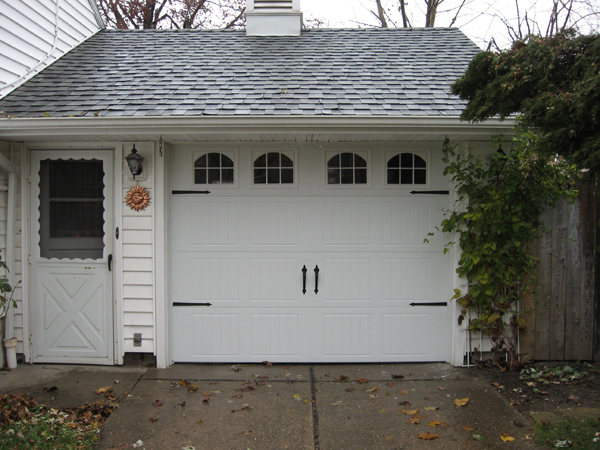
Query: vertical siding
{"points": [[138, 258], [27, 29]]}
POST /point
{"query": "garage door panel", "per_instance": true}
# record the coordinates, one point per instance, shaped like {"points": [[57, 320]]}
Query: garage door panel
{"points": [[275, 335], [346, 279], [205, 336], [406, 279], [273, 224], [346, 224], [347, 335], [275, 279]]}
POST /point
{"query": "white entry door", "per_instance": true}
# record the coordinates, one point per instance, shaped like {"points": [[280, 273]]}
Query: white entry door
{"points": [[373, 289], [71, 257]]}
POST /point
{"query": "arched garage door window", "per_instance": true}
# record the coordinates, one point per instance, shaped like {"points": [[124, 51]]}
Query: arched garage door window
{"points": [[273, 168], [347, 168], [213, 168], [406, 168]]}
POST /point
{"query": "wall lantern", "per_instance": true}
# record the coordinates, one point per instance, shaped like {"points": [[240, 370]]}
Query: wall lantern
{"points": [[134, 161]]}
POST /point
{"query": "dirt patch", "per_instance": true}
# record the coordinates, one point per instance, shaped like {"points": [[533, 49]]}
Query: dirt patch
{"points": [[546, 386]]}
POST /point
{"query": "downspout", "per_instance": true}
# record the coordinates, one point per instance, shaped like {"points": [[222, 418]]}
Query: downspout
{"points": [[7, 165]]}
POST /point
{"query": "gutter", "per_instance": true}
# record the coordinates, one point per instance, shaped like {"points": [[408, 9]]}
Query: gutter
{"points": [[7, 165], [23, 128]]}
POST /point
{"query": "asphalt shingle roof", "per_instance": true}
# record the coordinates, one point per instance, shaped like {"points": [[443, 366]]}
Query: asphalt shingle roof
{"points": [[339, 72]]}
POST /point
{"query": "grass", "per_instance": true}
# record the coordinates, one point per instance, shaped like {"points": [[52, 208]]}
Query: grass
{"points": [[27, 425], [47, 430], [572, 434]]}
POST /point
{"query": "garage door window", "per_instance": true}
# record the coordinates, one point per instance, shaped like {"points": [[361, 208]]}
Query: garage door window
{"points": [[406, 169], [347, 168], [273, 168], [213, 168]]}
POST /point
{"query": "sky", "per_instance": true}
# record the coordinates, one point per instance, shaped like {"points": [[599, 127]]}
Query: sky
{"points": [[479, 19]]}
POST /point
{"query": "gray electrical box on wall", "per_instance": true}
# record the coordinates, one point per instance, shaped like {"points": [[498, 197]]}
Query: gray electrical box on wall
{"points": [[137, 339]]}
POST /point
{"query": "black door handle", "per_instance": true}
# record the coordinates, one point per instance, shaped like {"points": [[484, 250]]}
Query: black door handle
{"points": [[110, 262], [316, 279], [304, 270]]}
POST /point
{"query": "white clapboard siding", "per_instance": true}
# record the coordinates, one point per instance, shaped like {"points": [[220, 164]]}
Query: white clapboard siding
{"points": [[137, 248], [27, 35]]}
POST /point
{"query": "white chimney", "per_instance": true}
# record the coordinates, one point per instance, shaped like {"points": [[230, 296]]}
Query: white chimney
{"points": [[273, 18]]}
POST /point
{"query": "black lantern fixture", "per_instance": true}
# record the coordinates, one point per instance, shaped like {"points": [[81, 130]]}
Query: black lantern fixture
{"points": [[134, 161]]}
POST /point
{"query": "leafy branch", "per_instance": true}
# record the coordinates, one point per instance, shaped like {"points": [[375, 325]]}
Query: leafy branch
{"points": [[497, 216]]}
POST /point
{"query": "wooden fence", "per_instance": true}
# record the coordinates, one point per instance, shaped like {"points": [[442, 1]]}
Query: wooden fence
{"points": [[563, 323]]}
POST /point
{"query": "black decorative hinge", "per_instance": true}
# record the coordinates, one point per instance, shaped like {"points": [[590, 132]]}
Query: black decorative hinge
{"points": [[431, 192], [429, 304], [191, 304], [189, 192]]}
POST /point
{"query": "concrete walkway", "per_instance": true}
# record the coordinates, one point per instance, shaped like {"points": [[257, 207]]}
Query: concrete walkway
{"points": [[301, 407]]}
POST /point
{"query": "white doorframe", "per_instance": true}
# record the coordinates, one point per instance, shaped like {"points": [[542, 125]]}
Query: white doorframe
{"points": [[32, 158]]}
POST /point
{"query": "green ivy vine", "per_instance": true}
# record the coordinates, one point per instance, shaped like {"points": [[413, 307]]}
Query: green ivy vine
{"points": [[496, 216]]}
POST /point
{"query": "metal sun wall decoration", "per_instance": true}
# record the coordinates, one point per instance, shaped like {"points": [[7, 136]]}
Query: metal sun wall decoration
{"points": [[137, 198]]}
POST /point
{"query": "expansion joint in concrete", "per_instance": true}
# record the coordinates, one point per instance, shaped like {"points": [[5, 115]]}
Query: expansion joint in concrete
{"points": [[315, 413]]}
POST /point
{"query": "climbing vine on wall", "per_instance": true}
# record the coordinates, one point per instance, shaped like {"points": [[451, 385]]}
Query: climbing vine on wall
{"points": [[496, 217]]}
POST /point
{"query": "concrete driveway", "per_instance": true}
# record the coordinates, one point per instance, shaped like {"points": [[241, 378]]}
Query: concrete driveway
{"points": [[300, 406]]}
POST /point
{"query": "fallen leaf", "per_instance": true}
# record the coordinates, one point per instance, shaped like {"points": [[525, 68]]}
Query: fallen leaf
{"points": [[414, 420], [248, 388], [409, 412], [391, 383], [206, 401], [389, 438], [243, 408], [208, 393], [116, 382], [184, 383], [152, 420], [433, 424], [443, 425], [286, 367], [193, 388], [236, 367], [404, 392], [426, 397], [442, 388], [428, 436], [199, 421], [238, 396], [362, 380], [350, 389], [54, 388], [467, 428], [495, 383], [102, 390], [260, 383], [405, 403], [373, 389], [431, 408], [461, 401], [157, 403], [397, 377], [342, 378], [168, 392], [267, 364], [373, 395], [507, 438], [181, 404], [478, 437], [138, 444]]}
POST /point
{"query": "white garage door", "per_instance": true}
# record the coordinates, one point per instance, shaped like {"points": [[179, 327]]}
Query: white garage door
{"points": [[307, 255]]}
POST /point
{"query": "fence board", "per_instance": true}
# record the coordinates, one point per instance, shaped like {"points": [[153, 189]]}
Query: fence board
{"points": [[565, 321]]}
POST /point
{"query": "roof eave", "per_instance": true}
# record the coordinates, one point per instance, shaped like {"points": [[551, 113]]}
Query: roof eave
{"points": [[24, 128]]}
